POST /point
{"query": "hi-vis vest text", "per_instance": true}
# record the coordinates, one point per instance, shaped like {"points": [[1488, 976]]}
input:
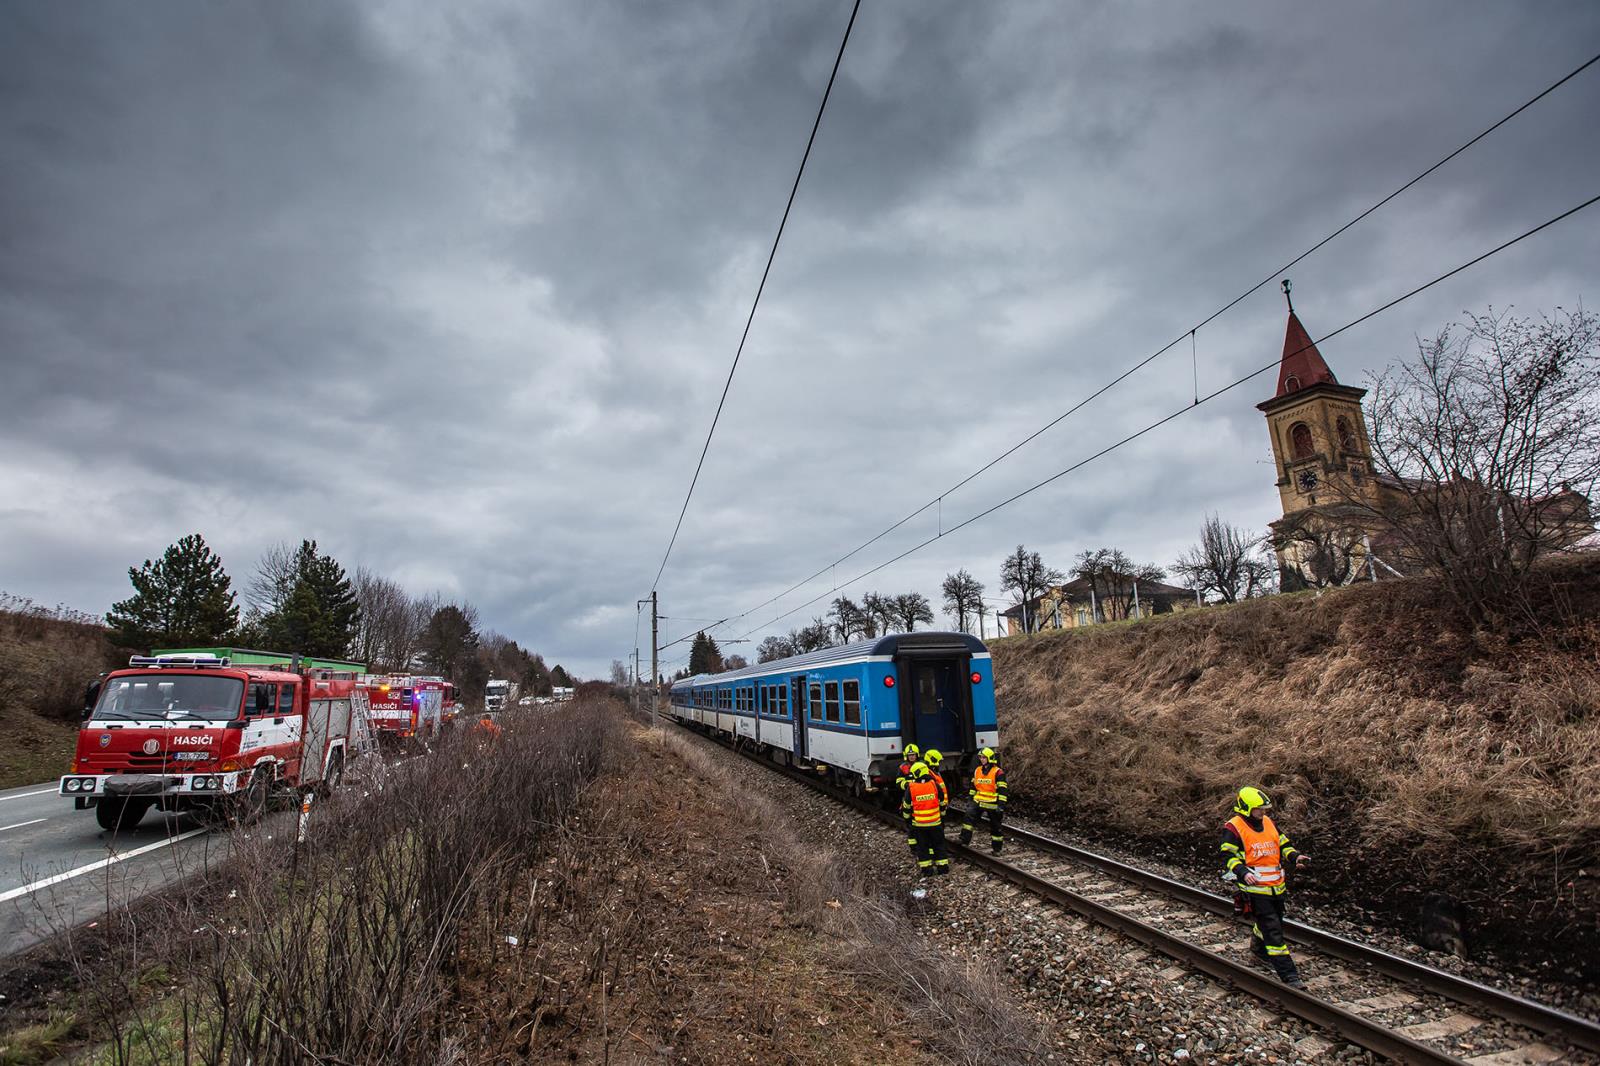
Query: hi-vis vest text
{"points": [[985, 787], [1260, 855], [924, 802]]}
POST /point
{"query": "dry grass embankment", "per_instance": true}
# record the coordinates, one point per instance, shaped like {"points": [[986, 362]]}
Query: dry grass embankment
{"points": [[584, 890], [1409, 756], [47, 656]]}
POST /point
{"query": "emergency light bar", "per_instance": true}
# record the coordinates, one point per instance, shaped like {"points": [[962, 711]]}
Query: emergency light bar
{"points": [[199, 661]]}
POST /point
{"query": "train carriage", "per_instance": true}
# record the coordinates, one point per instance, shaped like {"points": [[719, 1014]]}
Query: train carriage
{"points": [[850, 710]]}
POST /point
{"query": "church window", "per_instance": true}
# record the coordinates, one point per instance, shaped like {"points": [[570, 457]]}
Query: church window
{"points": [[1347, 439], [1300, 445], [1291, 384]]}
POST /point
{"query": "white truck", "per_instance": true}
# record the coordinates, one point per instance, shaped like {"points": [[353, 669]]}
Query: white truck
{"points": [[498, 695]]}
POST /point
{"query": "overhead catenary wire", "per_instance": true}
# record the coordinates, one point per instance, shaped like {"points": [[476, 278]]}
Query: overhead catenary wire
{"points": [[1108, 449], [1189, 333], [745, 336]]}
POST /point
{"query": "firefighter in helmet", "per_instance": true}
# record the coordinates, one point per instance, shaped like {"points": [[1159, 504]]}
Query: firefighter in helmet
{"points": [[1257, 859], [988, 796], [935, 758], [919, 804], [910, 755]]}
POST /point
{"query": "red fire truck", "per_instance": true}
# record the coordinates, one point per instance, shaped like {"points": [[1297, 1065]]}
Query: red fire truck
{"points": [[184, 732], [403, 710], [449, 710]]}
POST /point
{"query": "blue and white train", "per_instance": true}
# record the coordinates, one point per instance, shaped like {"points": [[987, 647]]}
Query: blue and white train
{"points": [[849, 710]]}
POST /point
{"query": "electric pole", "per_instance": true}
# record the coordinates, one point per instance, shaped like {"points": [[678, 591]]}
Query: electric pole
{"points": [[655, 662]]}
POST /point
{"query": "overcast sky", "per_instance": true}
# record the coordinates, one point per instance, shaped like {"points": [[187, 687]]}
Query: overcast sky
{"points": [[453, 288]]}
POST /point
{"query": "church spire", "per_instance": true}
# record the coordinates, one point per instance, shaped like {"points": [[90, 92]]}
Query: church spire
{"points": [[1302, 365]]}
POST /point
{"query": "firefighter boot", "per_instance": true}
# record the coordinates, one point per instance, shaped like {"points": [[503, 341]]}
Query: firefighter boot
{"points": [[1287, 973], [965, 836]]}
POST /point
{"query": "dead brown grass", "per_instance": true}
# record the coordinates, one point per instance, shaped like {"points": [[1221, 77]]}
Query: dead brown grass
{"points": [[1387, 733], [47, 657]]}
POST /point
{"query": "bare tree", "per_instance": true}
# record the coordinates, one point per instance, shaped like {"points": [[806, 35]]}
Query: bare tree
{"points": [[911, 608], [619, 672], [775, 647], [274, 578], [735, 662], [1487, 447], [848, 619], [386, 636], [1229, 562], [963, 597], [1115, 579], [1328, 552], [1025, 574], [879, 611], [817, 635]]}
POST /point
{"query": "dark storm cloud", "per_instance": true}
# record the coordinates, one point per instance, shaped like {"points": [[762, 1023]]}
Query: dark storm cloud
{"points": [[454, 288]]}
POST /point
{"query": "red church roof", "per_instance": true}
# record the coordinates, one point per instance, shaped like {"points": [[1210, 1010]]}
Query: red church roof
{"points": [[1302, 365]]}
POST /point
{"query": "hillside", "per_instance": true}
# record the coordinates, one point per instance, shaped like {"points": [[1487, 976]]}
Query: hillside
{"points": [[47, 656], [1408, 757]]}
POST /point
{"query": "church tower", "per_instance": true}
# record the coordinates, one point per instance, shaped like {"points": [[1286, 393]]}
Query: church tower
{"points": [[1323, 459], [1319, 436]]}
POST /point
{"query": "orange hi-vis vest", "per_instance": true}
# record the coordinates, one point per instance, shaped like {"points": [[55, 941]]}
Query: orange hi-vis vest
{"points": [[985, 785], [1261, 855], [924, 802]]}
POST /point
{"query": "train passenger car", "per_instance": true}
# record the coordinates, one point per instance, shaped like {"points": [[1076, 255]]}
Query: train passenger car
{"points": [[850, 710]]}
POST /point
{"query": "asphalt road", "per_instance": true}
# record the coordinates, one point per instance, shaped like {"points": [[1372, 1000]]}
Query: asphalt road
{"points": [[59, 869]]}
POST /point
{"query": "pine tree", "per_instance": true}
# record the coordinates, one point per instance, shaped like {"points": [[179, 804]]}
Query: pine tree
{"points": [[704, 655], [321, 615], [183, 599], [561, 678]]}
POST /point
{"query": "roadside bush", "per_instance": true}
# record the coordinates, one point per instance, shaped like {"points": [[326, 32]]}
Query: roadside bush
{"points": [[347, 948]]}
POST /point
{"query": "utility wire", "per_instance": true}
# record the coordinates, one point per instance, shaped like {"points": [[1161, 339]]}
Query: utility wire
{"points": [[1184, 410], [1188, 333], [794, 189]]}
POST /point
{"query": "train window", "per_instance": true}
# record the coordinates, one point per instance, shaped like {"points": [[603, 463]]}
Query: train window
{"points": [[783, 700], [832, 688], [816, 701], [852, 702]]}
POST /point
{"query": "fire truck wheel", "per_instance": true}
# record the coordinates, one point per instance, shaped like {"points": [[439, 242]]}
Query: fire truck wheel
{"points": [[251, 803], [114, 814], [335, 775]]}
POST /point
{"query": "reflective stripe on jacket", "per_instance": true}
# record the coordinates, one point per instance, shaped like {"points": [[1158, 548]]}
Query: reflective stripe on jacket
{"points": [[924, 800], [986, 786], [1260, 852]]}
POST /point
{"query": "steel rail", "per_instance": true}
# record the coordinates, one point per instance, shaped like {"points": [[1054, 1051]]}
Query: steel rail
{"points": [[1297, 1002], [1576, 1030]]}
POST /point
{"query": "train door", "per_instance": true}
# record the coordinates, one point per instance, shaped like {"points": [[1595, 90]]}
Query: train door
{"points": [[797, 705], [936, 706]]}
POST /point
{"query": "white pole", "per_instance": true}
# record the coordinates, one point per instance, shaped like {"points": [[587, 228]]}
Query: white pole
{"points": [[1136, 612]]}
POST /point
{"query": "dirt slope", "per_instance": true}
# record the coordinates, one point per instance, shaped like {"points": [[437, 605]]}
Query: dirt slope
{"points": [[1411, 758]]}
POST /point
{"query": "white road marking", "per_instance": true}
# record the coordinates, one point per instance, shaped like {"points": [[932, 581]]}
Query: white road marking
{"points": [[24, 795], [28, 890], [19, 825]]}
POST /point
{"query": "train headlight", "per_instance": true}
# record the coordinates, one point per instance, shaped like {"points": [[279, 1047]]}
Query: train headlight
{"points": [[888, 682], [977, 678]]}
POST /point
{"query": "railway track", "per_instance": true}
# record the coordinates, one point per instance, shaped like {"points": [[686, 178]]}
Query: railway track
{"points": [[1351, 987]]}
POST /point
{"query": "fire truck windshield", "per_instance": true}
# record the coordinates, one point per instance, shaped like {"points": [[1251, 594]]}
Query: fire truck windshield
{"points": [[211, 699]]}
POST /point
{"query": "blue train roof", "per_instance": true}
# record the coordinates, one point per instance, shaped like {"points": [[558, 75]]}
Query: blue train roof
{"points": [[889, 645]]}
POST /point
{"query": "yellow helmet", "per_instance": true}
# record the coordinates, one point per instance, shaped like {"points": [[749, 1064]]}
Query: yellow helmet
{"points": [[933, 757], [1251, 800], [987, 753], [911, 751], [920, 770]]}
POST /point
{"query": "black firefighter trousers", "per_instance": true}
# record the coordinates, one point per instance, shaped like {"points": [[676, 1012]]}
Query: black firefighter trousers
{"points": [[979, 813], [933, 857], [1266, 935]]}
